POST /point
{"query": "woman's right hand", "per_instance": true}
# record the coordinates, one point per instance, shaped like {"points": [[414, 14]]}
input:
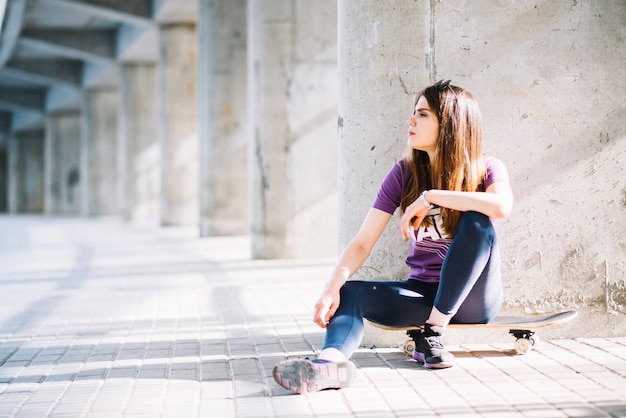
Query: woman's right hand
{"points": [[350, 260], [412, 218], [325, 307]]}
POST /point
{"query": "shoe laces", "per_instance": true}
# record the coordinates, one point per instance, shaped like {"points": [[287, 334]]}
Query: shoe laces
{"points": [[434, 341]]}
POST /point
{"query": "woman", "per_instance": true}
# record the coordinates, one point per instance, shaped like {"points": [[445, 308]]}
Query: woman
{"points": [[447, 192]]}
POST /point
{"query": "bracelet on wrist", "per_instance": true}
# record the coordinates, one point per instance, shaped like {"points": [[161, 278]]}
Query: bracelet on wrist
{"points": [[425, 202]]}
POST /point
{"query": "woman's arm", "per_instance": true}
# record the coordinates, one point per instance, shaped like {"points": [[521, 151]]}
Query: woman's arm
{"points": [[349, 262], [496, 202]]}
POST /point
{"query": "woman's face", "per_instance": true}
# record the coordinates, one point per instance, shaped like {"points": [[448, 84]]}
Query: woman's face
{"points": [[423, 128]]}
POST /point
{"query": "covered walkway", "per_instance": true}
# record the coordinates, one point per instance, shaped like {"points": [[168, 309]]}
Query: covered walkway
{"points": [[100, 318]]}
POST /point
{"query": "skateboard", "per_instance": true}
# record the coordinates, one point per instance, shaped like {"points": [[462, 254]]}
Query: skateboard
{"points": [[521, 327]]}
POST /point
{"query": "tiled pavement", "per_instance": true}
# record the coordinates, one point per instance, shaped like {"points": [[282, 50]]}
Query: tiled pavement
{"points": [[103, 319]]}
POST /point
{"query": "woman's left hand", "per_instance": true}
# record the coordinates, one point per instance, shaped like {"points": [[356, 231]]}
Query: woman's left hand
{"points": [[412, 218]]}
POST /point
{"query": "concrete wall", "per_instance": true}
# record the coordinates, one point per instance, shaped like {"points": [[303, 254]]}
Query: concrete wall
{"points": [[557, 120], [546, 75]]}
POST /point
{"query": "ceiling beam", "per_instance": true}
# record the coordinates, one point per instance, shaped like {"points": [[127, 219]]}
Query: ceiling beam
{"points": [[26, 120], [87, 45], [134, 12], [62, 98], [22, 99], [46, 71]]}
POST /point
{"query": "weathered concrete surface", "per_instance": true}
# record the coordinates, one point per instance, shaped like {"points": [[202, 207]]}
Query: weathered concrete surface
{"points": [[4, 207], [178, 131], [100, 116], [62, 164], [292, 111], [139, 149], [222, 85], [26, 172], [383, 61], [547, 77]]}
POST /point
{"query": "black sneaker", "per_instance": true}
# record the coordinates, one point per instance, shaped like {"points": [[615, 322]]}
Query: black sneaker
{"points": [[429, 349], [305, 376]]}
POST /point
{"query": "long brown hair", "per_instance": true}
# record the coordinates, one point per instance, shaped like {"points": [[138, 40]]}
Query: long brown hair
{"points": [[458, 164]]}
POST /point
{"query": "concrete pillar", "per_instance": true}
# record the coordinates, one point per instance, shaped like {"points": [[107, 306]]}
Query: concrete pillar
{"points": [[384, 59], [26, 154], [12, 173], [292, 122], [50, 182], [99, 117], [222, 82], [4, 170], [62, 164], [139, 151], [178, 125]]}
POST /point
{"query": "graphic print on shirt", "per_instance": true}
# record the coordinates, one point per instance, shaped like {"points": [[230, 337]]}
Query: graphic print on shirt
{"points": [[432, 239]]}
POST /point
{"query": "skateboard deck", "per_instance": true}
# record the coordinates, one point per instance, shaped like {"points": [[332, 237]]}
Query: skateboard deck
{"points": [[521, 327]]}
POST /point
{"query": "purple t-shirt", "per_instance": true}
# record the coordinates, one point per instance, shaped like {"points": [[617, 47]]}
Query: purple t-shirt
{"points": [[430, 246]]}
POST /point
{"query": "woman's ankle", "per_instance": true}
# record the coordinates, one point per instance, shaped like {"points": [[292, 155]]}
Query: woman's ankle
{"points": [[332, 354], [438, 318]]}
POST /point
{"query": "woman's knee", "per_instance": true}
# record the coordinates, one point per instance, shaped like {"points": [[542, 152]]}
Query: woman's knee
{"points": [[476, 224], [351, 287], [351, 293]]}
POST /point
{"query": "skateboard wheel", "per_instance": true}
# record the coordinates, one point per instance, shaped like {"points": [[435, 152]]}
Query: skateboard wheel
{"points": [[523, 346], [534, 341], [409, 347]]}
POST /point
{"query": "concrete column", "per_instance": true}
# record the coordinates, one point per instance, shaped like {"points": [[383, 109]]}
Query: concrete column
{"points": [[292, 122], [50, 185], [85, 151], [27, 167], [222, 82], [62, 164], [385, 57], [139, 151], [12, 173], [4, 170], [178, 125], [381, 65], [99, 116]]}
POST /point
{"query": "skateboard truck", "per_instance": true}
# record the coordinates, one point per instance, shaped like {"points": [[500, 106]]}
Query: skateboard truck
{"points": [[525, 341]]}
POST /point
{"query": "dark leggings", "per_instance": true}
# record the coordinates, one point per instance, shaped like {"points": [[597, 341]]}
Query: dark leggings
{"points": [[470, 289]]}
